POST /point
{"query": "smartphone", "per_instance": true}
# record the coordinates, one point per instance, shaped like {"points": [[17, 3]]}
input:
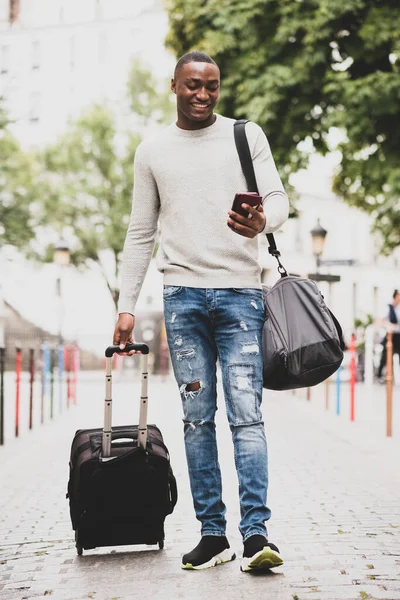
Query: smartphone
{"points": [[251, 198]]}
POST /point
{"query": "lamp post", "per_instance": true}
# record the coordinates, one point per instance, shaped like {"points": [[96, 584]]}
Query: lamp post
{"points": [[61, 258], [318, 235]]}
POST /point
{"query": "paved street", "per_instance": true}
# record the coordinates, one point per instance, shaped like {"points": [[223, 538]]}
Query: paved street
{"points": [[334, 495]]}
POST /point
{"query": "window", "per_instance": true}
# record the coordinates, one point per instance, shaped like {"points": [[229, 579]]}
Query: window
{"points": [[35, 102], [35, 55], [102, 46], [5, 59], [72, 51], [98, 10]]}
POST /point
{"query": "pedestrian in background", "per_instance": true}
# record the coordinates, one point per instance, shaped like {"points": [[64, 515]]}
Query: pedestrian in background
{"points": [[186, 178], [391, 320]]}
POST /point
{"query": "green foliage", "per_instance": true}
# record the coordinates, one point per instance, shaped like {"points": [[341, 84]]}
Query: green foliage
{"points": [[90, 177], [299, 68], [148, 98], [17, 189]]}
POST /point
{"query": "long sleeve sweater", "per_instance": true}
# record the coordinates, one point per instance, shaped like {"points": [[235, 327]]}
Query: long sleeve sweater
{"points": [[184, 184]]}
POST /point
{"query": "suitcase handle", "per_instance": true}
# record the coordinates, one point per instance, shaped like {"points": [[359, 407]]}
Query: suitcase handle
{"points": [[143, 348], [107, 428]]}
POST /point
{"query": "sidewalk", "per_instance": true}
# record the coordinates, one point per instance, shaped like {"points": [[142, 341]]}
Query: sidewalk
{"points": [[334, 495]]}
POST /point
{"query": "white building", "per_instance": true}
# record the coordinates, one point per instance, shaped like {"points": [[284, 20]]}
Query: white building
{"points": [[59, 56]]}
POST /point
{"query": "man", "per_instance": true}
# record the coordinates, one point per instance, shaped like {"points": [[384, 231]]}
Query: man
{"points": [[186, 178], [392, 320]]}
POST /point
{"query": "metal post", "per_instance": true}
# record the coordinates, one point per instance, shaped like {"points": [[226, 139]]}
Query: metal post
{"points": [[51, 383], [67, 361], [18, 366], [2, 366], [41, 365], [353, 370], [46, 376], [60, 368], [369, 355], [31, 381], [389, 383]]}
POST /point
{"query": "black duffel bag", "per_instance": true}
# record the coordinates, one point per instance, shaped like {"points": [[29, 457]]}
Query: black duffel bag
{"points": [[302, 341]]}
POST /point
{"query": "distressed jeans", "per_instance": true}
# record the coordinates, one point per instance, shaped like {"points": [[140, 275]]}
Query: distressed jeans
{"points": [[203, 325]]}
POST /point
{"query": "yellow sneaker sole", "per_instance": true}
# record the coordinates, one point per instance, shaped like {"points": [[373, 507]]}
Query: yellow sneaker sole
{"points": [[224, 557], [262, 561]]}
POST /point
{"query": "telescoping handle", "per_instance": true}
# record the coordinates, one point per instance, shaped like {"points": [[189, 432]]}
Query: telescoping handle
{"points": [[107, 429]]}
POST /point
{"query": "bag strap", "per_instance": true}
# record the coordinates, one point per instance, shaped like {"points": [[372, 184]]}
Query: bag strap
{"points": [[242, 147]]}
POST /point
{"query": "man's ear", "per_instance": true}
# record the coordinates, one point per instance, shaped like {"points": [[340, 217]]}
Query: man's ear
{"points": [[173, 85]]}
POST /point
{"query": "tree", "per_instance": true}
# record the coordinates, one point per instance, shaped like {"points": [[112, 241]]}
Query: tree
{"points": [[89, 179], [301, 68], [149, 99], [18, 193]]}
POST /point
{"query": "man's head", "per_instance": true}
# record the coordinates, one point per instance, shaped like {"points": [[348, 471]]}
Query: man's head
{"points": [[196, 84], [396, 297]]}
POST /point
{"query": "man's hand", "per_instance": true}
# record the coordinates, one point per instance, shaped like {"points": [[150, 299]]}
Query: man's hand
{"points": [[247, 226], [123, 332]]}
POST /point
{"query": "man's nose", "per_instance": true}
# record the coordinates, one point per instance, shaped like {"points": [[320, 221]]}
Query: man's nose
{"points": [[202, 94]]}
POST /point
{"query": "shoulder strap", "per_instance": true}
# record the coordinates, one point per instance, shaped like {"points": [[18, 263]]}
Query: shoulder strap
{"points": [[242, 147]]}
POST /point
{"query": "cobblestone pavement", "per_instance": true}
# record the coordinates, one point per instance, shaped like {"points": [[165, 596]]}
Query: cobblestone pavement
{"points": [[334, 494]]}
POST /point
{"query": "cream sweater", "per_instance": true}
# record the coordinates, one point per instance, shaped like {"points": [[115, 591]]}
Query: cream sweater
{"points": [[185, 182]]}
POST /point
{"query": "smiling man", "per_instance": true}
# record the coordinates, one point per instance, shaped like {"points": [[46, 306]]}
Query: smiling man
{"points": [[186, 178]]}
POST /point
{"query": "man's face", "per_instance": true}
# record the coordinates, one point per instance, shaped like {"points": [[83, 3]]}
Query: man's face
{"points": [[396, 299], [196, 86]]}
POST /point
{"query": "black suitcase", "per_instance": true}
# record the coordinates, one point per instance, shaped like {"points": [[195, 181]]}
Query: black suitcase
{"points": [[121, 485]]}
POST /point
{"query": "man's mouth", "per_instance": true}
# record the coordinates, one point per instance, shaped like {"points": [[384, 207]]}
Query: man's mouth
{"points": [[200, 106]]}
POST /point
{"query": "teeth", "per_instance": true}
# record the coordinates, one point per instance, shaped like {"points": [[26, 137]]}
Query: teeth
{"points": [[200, 105]]}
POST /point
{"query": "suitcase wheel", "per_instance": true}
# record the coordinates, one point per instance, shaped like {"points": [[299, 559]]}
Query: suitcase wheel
{"points": [[161, 544], [79, 548]]}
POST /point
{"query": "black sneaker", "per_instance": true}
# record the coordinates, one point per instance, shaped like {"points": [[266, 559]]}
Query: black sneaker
{"points": [[212, 550], [260, 555]]}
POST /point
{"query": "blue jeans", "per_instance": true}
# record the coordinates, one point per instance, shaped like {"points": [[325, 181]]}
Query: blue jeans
{"points": [[203, 325]]}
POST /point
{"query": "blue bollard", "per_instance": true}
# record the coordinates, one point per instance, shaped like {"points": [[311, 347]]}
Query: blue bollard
{"points": [[60, 374]]}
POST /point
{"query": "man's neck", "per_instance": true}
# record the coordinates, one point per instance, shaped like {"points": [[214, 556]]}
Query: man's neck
{"points": [[184, 123]]}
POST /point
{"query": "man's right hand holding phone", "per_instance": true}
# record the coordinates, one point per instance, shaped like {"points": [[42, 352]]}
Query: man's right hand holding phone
{"points": [[247, 217]]}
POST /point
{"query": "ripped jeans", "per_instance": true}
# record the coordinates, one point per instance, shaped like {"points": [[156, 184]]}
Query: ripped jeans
{"points": [[203, 325]]}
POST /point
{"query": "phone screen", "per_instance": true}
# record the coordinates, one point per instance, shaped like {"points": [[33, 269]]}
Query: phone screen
{"points": [[251, 198]]}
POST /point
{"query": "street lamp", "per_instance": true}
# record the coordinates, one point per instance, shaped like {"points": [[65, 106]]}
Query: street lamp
{"points": [[318, 235], [61, 253], [61, 258]]}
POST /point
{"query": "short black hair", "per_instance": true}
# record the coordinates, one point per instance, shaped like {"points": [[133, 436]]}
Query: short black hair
{"points": [[194, 56], [395, 293]]}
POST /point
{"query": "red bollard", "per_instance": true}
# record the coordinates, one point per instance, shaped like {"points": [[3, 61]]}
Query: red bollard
{"points": [[67, 363], [31, 381], [75, 369], [353, 373], [18, 367]]}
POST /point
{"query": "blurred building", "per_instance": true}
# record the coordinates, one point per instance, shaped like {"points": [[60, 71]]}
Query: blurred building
{"points": [[58, 56]]}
